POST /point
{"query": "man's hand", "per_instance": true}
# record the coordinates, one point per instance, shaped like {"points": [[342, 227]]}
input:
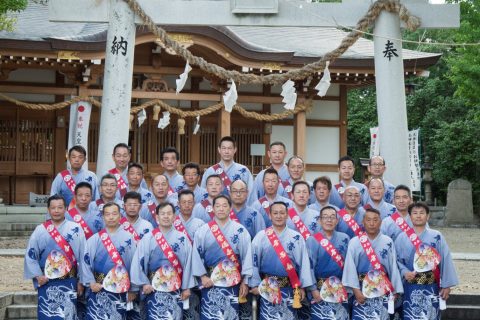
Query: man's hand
{"points": [[147, 289], [359, 296], [302, 294], [206, 282], [41, 280], [409, 276], [445, 293], [185, 294], [254, 291], [95, 287], [316, 296], [80, 289], [131, 296], [242, 293]]}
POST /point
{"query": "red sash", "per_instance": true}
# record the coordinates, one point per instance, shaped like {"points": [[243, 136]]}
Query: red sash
{"points": [[167, 251], [208, 207], [329, 248], [127, 226], [372, 256], [170, 191], [265, 204], [352, 224], [225, 179], [283, 256], [77, 217], [60, 240], [287, 187], [121, 184], [338, 186], [68, 179], [152, 207], [111, 250], [233, 216], [412, 236], [301, 227], [223, 243], [99, 202], [177, 223]]}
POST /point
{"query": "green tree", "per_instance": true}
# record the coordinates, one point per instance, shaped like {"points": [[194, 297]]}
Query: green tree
{"points": [[7, 21]]}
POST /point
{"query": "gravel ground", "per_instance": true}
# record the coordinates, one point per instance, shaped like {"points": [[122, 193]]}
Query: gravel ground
{"points": [[459, 240]]}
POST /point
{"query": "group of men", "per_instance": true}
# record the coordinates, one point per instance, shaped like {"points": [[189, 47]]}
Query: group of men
{"points": [[208, 247]]}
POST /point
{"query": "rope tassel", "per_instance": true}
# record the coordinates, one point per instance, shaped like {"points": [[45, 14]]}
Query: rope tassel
{"points": [[296, 298]]}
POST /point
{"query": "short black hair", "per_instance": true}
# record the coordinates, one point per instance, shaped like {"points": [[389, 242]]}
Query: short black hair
{"points": [[280, 203], [83, 184], [269, 171], [323, 179], [293, 158], [191, 165], [56, 197], [371, 209], [163, 205], [229, 139], [222, 196], [346, 158], [134, 165], [77, 148], [278, 143], [327, 208], [418, 204], [184, 193], [299, 182], [169, 150], [403, 187], [121, 145], [216, 176], [111, 204], [108, 176], [132, 195]]}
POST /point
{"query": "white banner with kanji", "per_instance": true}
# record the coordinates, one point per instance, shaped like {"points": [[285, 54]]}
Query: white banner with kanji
{"points": [[79, 123], [374, 142]]}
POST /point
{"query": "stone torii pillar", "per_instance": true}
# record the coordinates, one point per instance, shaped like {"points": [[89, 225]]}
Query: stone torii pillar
{"points": [[284, 13]]}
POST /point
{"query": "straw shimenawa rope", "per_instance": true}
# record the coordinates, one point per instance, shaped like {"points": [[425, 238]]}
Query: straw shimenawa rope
{"points": [[393, 6], [50, 106]]}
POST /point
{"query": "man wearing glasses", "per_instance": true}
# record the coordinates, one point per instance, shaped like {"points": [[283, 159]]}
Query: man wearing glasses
{"points": [[376, 167]]}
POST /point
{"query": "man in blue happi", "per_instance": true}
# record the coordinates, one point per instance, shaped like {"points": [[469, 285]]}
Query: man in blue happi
{"points": [[271, 183], [267, 266], [121, 157], [108, 192], [163, 287], [324, 266], [109, 287], [352, 199], [132, 204], [186, 203], [83, 197], [50, 266], [227, 149], [204, 209], [296, 170], [368, 280], [376, 190], [277, 153], [222, 263], [191, 176], [346, 169], [425, 280], [402, 198], [376, 167], [301, 194], [321, 188], [169, 158], [248, 216], [161, 193], [135, 177], [77, 155]]}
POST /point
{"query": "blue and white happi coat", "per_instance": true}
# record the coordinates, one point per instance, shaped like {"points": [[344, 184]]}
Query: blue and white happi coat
{"points": [[267, 263], [96, 264], [148, 258], [309, 218], [386, 209], [175, 181], [259, 191], [336, 197], [60, 187], [250, 219], [342, 226], [221, 302], [93, 218], [259, 207], [421, 301], [391, 229], [57, 299], [357, 263]]}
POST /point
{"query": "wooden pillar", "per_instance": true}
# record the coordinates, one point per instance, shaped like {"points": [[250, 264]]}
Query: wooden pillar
{"points": [[223, 124], [343, 120], [60, 132], [266, 108], [195, 138], [300, 134]]}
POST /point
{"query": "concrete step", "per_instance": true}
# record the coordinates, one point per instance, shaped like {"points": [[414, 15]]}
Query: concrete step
{"points": [[21, 311], [19, 209], [464, 299], [463, 312], [9, 233], [22, 218], [25, 297], [18, 226]]}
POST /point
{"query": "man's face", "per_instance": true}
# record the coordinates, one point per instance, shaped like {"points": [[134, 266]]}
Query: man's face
{"points": [[238, 193], [296, 169], [376, 167], [278, 215], [121, 157], [165, 217], [169, 162], [227, 151], [301, 194], [277, 155], [346, 169], [191, 177], [111, 216], [134, 176], [57, 210], [376, 190], [322, 192], [221, 209], [214, 187], [132, 207], [108, 188], [83, 197], [76, 160], [160, 187], [351, 197], [270, 183], [401, 200], [328, 219], [372, 222], [419, 217], [186, 203]]}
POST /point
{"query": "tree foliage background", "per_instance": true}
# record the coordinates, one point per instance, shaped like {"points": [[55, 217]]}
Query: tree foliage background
{"points": [[7, 7], [445, 106]]}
